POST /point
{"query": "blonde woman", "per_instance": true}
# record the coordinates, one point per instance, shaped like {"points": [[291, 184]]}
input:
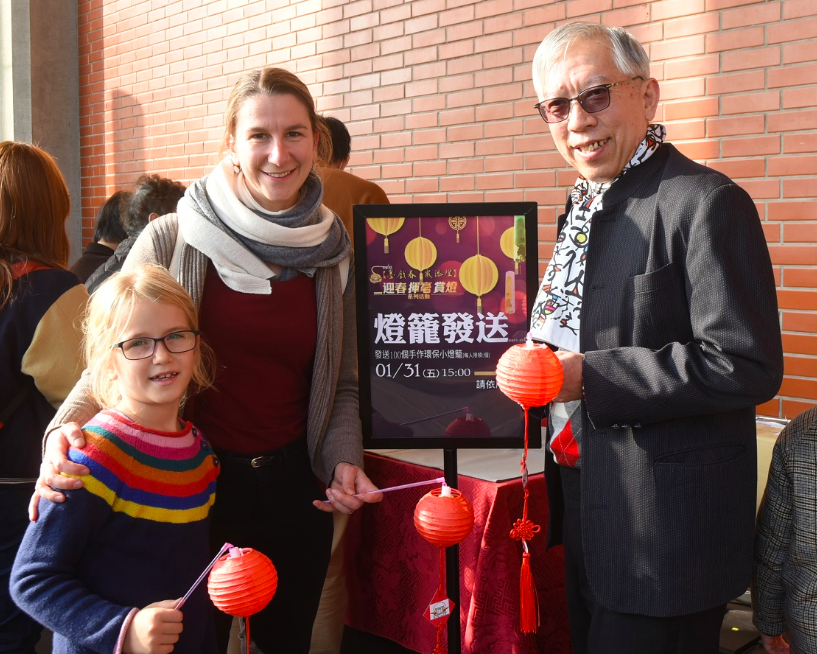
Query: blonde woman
{"points": [[268, 267]]}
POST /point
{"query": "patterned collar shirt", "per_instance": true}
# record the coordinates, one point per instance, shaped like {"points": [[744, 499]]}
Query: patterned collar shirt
{"points": [[556, 315]]}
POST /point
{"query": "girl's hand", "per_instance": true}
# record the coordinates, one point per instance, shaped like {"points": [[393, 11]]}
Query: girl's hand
{"points": [[348, 480], [774, 644], [154, 630], [54, 462]]}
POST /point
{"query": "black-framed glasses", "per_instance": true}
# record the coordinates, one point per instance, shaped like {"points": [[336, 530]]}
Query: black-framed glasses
{"points": [[143, 347], [592, 100]]}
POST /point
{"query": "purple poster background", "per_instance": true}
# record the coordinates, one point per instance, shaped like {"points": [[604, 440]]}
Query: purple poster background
{"points": [[441, 313]]}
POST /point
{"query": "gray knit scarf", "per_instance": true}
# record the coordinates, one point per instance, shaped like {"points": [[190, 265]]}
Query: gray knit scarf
{"points": [[250, 246]]}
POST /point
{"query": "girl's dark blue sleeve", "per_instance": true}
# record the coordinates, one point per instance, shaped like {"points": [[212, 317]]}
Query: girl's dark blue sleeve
{"points": [[44, 582]]}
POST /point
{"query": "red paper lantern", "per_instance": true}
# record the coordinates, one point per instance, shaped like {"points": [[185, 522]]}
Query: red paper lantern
{"points": [[444, 518], [529, 374], [242, 582], [444, 521]]}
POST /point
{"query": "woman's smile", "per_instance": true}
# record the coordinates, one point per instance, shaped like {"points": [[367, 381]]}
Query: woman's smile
{"points": [[275, 147]]}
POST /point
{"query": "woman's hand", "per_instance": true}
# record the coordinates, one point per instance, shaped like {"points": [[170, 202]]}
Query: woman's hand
{"points": [[347, 481], [154, 630], [774, 644], [54, 462]]}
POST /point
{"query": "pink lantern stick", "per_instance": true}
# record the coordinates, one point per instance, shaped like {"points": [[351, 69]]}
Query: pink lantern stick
{"points": [[187, 595], [438, 480]]}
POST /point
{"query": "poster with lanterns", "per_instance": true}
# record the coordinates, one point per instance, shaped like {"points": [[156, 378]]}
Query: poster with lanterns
{"points": [[442, 291]]}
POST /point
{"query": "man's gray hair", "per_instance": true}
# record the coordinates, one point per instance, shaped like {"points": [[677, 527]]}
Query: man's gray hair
{"points": [[628, 54]]}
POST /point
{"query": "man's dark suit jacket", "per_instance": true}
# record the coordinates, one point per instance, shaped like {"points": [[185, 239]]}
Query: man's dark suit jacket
{"points": [[681, 341]]}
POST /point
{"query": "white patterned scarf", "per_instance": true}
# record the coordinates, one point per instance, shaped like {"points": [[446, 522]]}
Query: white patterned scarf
{"points": [[556, 315]]}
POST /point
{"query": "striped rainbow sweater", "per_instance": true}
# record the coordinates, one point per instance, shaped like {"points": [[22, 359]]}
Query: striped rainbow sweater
{"points": [[137, 533]]}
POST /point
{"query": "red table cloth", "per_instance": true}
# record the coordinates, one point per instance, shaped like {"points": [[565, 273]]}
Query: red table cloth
{"points": [[392, 572]]}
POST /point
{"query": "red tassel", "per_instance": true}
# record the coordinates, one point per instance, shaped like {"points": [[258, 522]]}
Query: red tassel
{"points": [[440, 648], [528, 604]]}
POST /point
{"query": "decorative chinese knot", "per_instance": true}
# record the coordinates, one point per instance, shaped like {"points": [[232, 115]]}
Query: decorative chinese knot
{"points": [[444, 518], [531, 376], [242, 583]]}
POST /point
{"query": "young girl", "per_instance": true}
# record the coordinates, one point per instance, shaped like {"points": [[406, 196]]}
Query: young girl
{"points": [[137, 532]]}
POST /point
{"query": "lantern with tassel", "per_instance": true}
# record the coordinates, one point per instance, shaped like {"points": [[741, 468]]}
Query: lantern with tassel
{"points": [[531, 376], [386, 227], [444, 518], [478, 274], [420, 252], [242, 582]]}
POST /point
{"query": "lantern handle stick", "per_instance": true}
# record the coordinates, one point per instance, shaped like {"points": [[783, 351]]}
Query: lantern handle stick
{"points": [[187, 595], [438, 480]]}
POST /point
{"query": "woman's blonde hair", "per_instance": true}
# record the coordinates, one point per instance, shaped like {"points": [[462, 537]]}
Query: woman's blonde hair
{"points": [[34, 203], [110, 310], [275, 81]]}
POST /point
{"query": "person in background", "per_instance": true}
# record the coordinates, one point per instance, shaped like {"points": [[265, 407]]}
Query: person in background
{"points": [[661, 300], [784, 578], [343, 190], [41, 307], [108, 234], [269, 269], [154, 196]]}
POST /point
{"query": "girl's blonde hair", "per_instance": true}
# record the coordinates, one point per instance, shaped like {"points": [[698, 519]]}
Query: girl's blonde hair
{"points": [[109, 312]]}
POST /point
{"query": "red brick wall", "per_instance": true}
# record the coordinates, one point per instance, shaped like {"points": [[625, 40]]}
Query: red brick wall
{"points": [[438, 98]]}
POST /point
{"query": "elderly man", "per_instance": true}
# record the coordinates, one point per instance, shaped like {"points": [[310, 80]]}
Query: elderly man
{"points": [[661, 300]]}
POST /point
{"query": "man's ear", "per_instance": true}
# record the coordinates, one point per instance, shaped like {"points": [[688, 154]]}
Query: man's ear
{"points": [[153, 216], [344, 163], [652, 94]]}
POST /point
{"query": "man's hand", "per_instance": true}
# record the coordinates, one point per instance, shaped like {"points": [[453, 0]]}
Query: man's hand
{"points": [[572, 367], [774, 644], [348, 480], [54, 462], [154, 630]]}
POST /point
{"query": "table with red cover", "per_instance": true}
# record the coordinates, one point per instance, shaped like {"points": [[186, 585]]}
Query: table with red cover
{"points": [[392, 573]]}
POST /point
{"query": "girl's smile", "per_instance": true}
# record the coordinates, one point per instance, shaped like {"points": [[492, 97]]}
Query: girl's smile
{"points": [[151, 388]]}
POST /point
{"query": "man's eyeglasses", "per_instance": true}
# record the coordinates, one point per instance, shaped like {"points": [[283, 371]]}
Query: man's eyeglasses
{"points": [[592, 100], [143, 347]]}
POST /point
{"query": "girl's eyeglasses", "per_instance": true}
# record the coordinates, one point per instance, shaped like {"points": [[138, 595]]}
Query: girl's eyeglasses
{"points": [[143, 347]]}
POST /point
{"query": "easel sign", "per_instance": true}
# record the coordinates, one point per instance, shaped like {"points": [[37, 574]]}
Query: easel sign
{"points": [[442, 291]]}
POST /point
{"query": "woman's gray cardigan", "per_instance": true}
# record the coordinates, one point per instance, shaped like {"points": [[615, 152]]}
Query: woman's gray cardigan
{"points": [[333, 423]]}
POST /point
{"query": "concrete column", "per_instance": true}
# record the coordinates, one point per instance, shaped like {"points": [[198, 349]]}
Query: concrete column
{"points": [[39, 88]]}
